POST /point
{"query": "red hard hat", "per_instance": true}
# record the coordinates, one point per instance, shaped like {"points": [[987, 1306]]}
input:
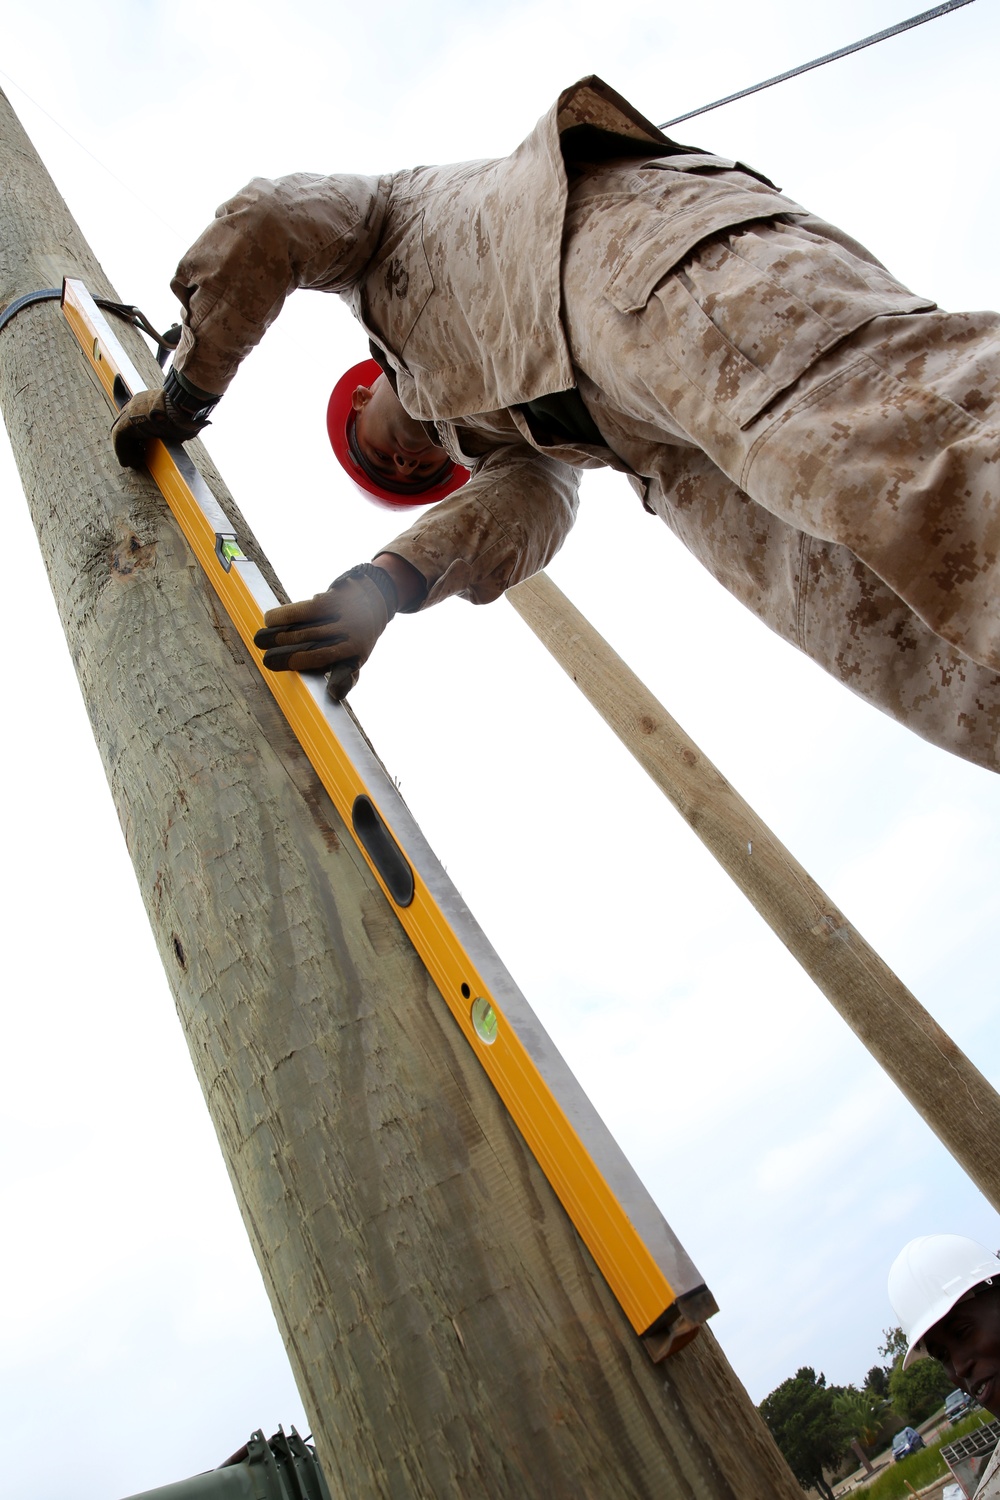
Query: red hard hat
{"points": [[340, 416]]}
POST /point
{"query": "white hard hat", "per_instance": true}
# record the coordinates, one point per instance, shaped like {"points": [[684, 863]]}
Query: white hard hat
{"points": [[928, 1277]]}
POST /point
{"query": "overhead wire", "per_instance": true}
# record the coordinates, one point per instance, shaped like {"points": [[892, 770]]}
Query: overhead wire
{"points": [[819, 62], [96, 159], [703, 109]]}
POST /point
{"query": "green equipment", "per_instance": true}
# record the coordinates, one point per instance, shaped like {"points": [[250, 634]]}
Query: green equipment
{"points": [[286, 1468]]}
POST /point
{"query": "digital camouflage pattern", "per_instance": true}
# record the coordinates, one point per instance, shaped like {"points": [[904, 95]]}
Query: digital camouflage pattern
{"points": [[824, 441]]}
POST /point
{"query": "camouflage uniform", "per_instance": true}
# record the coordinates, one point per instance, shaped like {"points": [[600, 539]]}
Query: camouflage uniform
{"points": [[820, 438]]}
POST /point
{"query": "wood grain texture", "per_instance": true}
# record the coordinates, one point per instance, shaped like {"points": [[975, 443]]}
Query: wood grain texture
{"points": [[449, 1332], [958, 1103]]}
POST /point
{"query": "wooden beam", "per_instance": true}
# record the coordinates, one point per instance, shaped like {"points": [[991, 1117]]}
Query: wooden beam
{"points": [[957, 1102]]}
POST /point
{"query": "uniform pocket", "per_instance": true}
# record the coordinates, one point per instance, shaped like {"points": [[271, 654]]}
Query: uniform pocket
{"points": [[398, 286], [754, 309], [749, 312], [705, 356], [688, 210], [742, 336]]}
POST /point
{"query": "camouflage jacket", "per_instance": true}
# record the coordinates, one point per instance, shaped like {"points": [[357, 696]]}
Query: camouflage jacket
{"points": [[455, 272], [596, 251]]}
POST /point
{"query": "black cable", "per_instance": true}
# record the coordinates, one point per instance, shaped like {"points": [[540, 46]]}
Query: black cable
{"points": [[869, 41]]}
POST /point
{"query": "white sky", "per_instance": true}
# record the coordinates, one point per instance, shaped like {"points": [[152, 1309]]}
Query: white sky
{"points": [[137, 1345]]}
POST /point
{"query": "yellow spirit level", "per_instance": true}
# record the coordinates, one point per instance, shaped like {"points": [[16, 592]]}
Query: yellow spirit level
{"points": [[646, 1267]]}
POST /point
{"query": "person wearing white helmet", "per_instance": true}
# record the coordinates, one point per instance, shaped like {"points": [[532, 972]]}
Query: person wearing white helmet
{"points": [[945, 1291]]}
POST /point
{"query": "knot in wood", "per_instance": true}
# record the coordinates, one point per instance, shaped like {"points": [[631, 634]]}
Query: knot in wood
{"points": [[131, 554], [829, 923]]}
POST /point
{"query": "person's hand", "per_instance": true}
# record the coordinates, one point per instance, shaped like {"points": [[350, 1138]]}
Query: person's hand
{"points": [[332, 632], [157, 414]]}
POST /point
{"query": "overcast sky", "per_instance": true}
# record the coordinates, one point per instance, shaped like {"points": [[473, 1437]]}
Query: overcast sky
{"points": [[138, 1346]]}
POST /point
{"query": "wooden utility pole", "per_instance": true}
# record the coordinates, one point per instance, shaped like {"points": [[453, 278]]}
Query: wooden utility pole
{"points": [[958, 1103], [449, 1332]]}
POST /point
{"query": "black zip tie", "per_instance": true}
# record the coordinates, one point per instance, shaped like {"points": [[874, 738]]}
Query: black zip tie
{"points": [[869, 41], [166, 342]]}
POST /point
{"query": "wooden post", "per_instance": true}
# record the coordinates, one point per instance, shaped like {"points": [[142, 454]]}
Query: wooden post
{"points": [[957, 1102], [862, 1456], [448, 1331]]}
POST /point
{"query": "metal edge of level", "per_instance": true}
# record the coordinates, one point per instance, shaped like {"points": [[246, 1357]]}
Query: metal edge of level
{"points": [[646, 1267]]}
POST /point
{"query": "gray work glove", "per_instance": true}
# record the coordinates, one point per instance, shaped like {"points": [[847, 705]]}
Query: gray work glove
{"points": [[170, 413], [332, 632]]}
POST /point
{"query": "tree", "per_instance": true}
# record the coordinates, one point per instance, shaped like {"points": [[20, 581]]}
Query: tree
{"points": [[877, 1381], [802, 1416], [918, 1391], [915, 1392], [894, 1344], [860, 1414]]}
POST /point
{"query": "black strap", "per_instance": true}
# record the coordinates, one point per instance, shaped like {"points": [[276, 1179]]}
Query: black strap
{"points": [[166, 342], [52, 294], [561, 417], [380, 358]]}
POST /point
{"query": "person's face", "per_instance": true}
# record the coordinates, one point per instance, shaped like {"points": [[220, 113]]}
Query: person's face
{"points": [[967, 1343], [392, 442]]}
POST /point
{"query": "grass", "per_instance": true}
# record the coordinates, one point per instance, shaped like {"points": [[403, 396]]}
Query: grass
{"points": [[920, 1468]]}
